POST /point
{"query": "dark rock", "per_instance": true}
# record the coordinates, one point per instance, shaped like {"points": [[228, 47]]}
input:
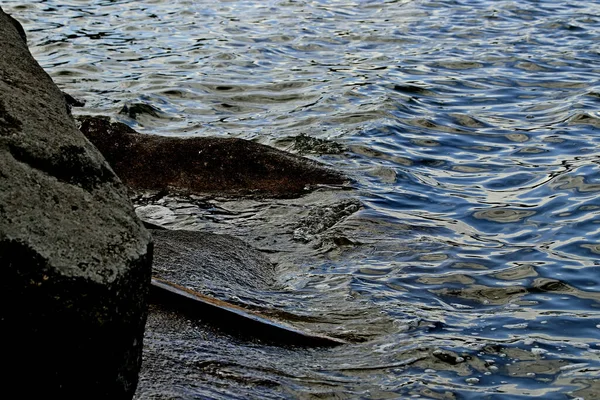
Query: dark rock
{"points": [[75, 260], [72, 101], [132, 110], [225, 166], [206, 275], [321, 219], [212, 264], [18, 27], [447, 357], [304, 144]]}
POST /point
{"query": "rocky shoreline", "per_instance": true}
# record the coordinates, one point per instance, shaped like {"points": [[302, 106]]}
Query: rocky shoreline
{"points": [[78, 260]]}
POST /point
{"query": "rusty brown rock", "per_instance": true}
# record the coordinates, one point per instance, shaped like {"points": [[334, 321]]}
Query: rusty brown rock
{"points": [[225, 166]]}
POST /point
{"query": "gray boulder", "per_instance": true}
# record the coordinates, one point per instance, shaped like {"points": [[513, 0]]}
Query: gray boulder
{"points": [[75, 261]]}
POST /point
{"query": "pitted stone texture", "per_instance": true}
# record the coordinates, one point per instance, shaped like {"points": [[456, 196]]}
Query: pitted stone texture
{"points": [[74, 258]]}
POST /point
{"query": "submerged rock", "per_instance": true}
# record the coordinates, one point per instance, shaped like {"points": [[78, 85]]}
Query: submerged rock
{"points": [[321, 218], [218, 265], [225, 166], [132, 110], [75, 260], [304, 144], [208, 275]]}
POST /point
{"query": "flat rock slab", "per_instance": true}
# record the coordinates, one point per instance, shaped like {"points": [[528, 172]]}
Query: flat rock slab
{"points": [[218, 265], [200, 165], [75, 259], [209, 275]]}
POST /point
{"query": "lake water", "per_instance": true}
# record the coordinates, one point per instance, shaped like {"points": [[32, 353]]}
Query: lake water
{"points": [[472, 131]]}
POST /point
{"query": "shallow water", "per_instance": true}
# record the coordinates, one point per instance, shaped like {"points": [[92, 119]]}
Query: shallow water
{"points": [[472, 131]]}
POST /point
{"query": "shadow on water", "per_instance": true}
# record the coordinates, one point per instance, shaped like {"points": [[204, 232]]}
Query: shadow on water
{"points": [[466, 258]]}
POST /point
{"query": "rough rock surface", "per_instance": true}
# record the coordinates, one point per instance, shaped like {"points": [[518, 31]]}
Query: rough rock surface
{"points": [[225, 166], [74, 258], [218, 265]]}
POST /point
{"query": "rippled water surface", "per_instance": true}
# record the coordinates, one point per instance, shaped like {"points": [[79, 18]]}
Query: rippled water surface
{"points": [[471, 129]]}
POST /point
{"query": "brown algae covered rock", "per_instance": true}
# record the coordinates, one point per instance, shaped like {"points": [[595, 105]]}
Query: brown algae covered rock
{"points": [[203, 165]]}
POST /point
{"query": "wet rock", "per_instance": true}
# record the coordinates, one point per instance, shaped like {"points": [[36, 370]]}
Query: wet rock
{"points": [[224, 166], [304, 144], [448, 357], [75, 260], [72, 101], [219, 265], [207, 275], [323, 218], [133, 110]]}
